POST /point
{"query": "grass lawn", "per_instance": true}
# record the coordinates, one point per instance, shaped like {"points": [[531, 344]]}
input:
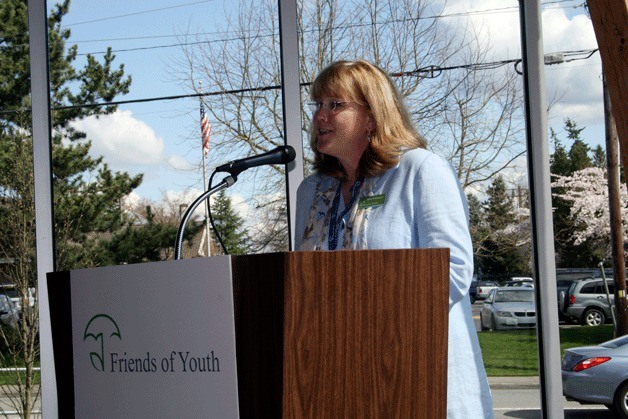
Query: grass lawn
{"points": [[10, 377], [515, 353]]}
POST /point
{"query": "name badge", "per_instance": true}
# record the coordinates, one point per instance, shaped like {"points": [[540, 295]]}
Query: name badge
{"points": [[371, 201]]}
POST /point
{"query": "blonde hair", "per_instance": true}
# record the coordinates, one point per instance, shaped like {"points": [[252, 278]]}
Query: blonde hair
{"points": [[362, 82]]}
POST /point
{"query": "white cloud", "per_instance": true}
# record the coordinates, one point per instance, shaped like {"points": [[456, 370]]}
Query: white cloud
{"points": [[122, 140], [562, 33], [516, 174], [495, 20], [185, 196], [584, 114], [131, 200], [499, 19], [577, 84], [131, 145], [573, 89], [179, 163], [242, 208]]}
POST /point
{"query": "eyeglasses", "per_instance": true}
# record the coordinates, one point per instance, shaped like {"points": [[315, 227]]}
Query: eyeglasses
{"points": [[334, 106]]}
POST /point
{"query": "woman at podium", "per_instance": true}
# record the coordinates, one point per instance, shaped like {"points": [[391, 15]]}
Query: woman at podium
{"points": [[377, 187]]}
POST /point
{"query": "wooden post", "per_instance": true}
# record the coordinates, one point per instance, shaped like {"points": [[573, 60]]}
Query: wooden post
{"points": [[614, 202], [609, 23]]}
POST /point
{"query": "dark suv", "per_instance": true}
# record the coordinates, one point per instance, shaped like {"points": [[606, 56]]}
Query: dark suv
{"points": [[586, 301]]}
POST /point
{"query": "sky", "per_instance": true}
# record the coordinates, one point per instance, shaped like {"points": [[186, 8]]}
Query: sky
{"points": [[162, 138]]}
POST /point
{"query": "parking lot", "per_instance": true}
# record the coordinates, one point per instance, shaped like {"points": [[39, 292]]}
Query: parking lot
{"points": [[520, 397]]}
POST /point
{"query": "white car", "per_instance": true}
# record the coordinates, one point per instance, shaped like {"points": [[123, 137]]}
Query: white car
{"points": [[484, 288]]}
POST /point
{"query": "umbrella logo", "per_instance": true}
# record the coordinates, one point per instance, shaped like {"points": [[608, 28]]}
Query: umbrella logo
{"points": [[99, 327]]}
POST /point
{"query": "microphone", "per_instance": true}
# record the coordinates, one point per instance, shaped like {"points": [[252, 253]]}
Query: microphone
{"points": [[281, 155]]}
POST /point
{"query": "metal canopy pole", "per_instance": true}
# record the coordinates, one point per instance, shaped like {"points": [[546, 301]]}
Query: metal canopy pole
{"points": [[291, 94], [42, 160], [541, 209]]}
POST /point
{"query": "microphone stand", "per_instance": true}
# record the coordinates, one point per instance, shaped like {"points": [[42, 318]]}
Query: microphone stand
{"points": [[226, 182]]}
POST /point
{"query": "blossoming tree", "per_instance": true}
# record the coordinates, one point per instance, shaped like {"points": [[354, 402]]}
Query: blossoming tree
{"points": [[587, 190]]}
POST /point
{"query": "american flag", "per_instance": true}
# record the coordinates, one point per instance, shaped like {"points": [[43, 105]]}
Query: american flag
{"points": [[206, 129]]}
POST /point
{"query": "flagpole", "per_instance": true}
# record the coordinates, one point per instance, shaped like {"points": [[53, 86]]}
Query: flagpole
{"points": [[204, 156]]}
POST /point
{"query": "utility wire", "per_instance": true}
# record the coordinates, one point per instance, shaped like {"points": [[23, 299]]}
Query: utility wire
{"points": [[508, 9], [208, 1], [136, 13], [431, 71], [135, 38]]}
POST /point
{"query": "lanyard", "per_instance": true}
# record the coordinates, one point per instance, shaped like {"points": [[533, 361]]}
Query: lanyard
{"points": [[336, 219]]}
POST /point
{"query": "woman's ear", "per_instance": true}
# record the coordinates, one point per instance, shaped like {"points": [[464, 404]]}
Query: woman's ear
{"points": [[370, 123]]}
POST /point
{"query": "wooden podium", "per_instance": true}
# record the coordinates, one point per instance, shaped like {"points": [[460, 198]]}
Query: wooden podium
{"points": [[353, 334]]}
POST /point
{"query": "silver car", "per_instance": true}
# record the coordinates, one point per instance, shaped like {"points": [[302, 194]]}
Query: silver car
{"points": [[508, 308], [586, 301], [598, 375]]}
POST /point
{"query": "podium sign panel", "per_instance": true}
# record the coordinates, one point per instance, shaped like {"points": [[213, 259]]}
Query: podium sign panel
{"points": [[153, 340]]}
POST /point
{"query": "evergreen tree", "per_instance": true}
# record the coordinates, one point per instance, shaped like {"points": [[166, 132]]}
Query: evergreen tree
{"points": [[560, 165], [599, 157], [87, 194], [500, 253], [573, 132], [476, 227], [559, 160], [475, 211], [498, 206], [145, 241], [579, 156], [229, 225]]}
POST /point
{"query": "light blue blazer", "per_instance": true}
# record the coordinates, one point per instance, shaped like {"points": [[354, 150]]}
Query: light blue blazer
{"points": [[424, 206]]}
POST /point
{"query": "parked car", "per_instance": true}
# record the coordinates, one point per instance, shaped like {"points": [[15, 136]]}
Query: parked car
{"points": [[519, 283], [522, 279], [9, 314], [473, 291], [598, 375], [484, 288], [586, 301], [15, 295], [562, 286], [508, 308]]}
